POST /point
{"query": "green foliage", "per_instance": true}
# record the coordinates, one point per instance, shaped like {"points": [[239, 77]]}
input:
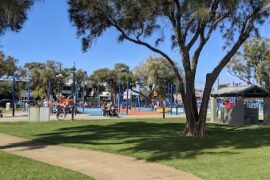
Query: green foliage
{"points": [[102, 78], [156, 73], [141, 19], [41, 74], [8, 65], [253, 61], [189, 24], [13, 13]]}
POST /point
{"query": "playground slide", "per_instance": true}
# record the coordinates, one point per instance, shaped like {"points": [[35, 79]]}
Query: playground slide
{"points": [[160, 110]]}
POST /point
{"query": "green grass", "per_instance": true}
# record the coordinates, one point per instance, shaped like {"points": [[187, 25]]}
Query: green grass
{"points": [[226, 153], [14, 167], [4, 111]]}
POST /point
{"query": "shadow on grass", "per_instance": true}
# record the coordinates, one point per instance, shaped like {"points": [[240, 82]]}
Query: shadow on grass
{"points": [[158, 141]]}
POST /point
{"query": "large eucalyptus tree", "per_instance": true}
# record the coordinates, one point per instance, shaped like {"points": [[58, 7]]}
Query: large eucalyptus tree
{"points": [[189, 24]]}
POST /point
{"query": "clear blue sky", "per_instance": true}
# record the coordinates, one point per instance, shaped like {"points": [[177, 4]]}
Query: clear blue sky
{"points": [[48, 35]]}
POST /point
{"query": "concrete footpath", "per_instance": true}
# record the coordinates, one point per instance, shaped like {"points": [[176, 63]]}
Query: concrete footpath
{"points": [[99, 165]]}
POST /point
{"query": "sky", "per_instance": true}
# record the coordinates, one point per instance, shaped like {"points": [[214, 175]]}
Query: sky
{"points": [[49, 35]]}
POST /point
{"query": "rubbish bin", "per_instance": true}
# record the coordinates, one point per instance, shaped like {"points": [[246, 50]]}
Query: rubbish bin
{"points": [[34, 114], [7, 106], [44, 115]]}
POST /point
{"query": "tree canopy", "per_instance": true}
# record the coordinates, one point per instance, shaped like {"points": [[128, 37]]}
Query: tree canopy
{"points": [[8, 65], [105, 78], [155, 73], [189, 24], [253, 62], [13, 13]]}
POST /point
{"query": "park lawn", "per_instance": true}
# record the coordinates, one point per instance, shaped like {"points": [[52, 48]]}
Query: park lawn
{"points": [[14, 167], [226, 152]]}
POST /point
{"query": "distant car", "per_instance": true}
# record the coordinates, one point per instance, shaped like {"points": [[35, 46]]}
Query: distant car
{"points": [[3, 102]]}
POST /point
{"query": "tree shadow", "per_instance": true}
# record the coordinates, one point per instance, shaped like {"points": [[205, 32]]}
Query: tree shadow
{"points": [[25, 145], [160, 141]]}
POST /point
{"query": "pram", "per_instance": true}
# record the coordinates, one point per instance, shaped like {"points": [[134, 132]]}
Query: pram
{"points": [[113, 113]]}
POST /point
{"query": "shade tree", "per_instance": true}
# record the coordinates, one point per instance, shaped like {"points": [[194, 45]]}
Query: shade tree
{"points": [[189, 24]]}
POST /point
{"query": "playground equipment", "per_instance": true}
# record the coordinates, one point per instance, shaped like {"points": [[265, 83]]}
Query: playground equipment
{"points": [[15, 78], [160, 110]]}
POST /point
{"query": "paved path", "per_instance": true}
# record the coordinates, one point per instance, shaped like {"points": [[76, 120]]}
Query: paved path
{"points": [[96, 164], [86, 117]]}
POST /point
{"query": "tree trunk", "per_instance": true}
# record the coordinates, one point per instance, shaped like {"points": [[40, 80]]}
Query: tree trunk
{"points": [[195, 125]]}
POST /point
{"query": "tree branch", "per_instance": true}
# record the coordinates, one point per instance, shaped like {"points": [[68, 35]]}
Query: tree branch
{"points": [[138, 41], [203, 41], [245, 31]]}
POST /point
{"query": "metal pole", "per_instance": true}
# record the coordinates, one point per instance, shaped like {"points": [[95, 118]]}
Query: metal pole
{"points": [[139, 101], [28, 91], [76, 96], [171, 98], [13, 95], [73, 107], [139, 96], [83, 95], [119, 92], [163, 109], [176, 98], [49, 90], [127, 98], [145, 102], [98, 96], [111, 91]]}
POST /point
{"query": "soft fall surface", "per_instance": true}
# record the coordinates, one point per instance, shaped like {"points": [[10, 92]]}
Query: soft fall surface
{"points": [[226, 153], [14, 167]]}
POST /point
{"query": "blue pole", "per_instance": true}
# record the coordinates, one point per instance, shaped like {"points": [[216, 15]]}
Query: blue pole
{"points": [[139, 95], [76, 96], [13, 95], [83, 95], [127, 98], [176, 100], [171, 97], [28, 91], [118, 99], [111, 91], [168, 91]]}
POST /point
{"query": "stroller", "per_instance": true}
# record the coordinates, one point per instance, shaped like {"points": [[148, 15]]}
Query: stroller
{"points": [[113, 112]]}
